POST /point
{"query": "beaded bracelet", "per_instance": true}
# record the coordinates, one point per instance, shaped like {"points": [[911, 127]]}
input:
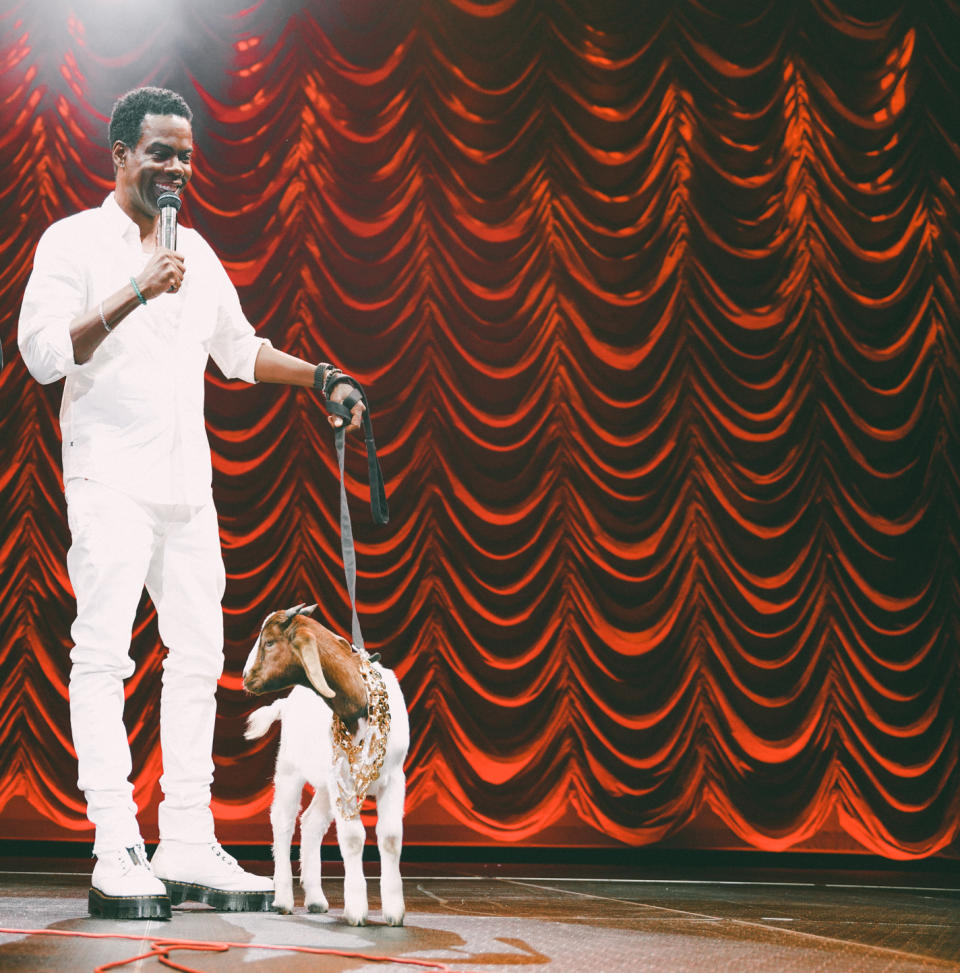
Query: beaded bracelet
{"points": [[136, 291], [320, 375]]}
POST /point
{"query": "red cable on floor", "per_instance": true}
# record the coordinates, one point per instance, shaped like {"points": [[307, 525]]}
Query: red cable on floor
{"points": [[161, 949]]}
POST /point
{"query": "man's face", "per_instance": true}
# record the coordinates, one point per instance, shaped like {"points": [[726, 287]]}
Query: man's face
{"points": [[159, 163]]}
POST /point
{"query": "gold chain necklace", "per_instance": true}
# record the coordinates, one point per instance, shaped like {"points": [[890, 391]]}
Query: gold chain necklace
{"points": [[364, 756]]}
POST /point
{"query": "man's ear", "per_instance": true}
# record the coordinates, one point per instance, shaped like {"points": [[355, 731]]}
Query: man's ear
{"points": [[119, 153]]}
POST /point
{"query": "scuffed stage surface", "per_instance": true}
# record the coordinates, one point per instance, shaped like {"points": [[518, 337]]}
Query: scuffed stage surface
{"points": [[485, 918]]}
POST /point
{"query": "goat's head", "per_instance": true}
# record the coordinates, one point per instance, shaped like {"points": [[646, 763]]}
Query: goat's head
{"points": [[296, 650]]}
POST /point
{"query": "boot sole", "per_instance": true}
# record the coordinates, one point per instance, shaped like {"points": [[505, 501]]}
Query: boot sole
{"points": [[220, 900], [128, 906]]}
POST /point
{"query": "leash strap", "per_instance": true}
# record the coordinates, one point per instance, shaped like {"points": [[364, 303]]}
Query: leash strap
{"points": [[378, 498], [346, 545]]}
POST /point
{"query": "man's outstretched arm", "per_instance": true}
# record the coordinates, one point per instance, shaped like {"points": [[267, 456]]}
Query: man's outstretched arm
{"points": [[279, 368]]}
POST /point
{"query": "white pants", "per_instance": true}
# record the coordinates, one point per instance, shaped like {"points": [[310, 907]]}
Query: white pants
{"points": [[119, 545]]}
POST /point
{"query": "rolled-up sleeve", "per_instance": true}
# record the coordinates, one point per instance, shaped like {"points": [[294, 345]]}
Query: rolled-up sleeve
{"points": [[235, 345], [54, 296]]}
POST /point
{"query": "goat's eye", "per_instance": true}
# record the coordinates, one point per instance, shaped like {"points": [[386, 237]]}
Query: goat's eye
{"points": [[269, 644]]}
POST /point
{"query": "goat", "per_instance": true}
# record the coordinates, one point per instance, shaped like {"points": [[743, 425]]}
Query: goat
{"points": [[330, 721]]}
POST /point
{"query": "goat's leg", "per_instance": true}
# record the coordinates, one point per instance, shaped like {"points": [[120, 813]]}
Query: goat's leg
{"points": [[314, 824], [288, 789], [350, 836], [390, 840]]}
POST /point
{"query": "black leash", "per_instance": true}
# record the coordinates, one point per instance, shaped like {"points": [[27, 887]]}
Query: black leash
{"points": [[378, 497]]}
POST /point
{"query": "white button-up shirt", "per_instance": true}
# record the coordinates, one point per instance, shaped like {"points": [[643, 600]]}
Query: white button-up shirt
{"points": [[132, 415]]}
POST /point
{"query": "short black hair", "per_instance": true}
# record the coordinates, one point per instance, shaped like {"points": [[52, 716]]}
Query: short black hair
{"points": [[126, 118]]}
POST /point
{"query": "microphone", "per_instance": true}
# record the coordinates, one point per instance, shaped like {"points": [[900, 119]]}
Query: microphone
{"points": [[169, 204]]}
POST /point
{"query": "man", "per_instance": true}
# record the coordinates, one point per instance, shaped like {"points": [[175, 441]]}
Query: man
{"points": [[130, 324]]}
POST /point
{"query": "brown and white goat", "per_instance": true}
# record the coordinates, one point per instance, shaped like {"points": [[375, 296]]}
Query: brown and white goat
{"points": [[325, 673]]}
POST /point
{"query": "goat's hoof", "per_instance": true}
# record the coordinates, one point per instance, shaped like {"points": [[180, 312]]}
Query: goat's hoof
{"points": [[282, 909], [320, 906], [352, 920], [393, 910]]}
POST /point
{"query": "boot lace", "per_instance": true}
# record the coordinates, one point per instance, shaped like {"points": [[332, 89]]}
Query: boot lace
{"points": [[133, 858], [228, 860]]}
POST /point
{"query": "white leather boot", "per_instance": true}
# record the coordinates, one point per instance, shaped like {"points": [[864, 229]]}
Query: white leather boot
{"points": [[124, 887], [206, 873]]}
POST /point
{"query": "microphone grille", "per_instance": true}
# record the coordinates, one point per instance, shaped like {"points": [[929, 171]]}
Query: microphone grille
{"points": [[168, 199]]}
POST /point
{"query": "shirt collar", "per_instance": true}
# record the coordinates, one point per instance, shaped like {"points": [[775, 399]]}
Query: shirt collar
{"points": [[117, 220]]}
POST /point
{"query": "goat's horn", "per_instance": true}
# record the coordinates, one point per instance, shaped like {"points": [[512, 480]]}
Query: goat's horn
{"points": [[290, 612], [309, 610]]}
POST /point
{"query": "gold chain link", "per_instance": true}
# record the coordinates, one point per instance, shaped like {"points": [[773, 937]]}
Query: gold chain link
{"points": [[365, 754]]}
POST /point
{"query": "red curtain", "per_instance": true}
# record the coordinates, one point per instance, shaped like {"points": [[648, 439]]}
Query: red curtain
{"points": [[656, 308]]}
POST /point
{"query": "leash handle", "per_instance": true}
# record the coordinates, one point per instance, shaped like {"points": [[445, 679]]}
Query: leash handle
{"points": [[378, 494]]}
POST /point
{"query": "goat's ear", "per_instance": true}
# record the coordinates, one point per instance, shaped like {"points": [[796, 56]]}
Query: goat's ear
{"points": [[308, 652]]}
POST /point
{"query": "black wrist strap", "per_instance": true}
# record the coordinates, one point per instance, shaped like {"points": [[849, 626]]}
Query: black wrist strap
{"points": [[321, 374]]}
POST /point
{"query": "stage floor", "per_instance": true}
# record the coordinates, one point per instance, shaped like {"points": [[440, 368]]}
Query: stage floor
{"points": [[486, 918]]}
